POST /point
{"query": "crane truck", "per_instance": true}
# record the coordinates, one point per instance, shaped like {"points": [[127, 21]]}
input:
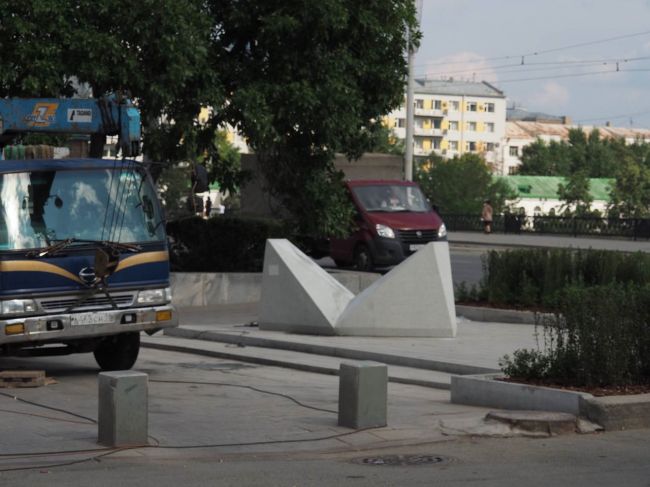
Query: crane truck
{"points": [[84, 265]]}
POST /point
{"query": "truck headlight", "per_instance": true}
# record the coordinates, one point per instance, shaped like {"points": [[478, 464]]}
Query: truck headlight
{"points": [[155, 296], [442, 231], [384, 231], [16, 307]]}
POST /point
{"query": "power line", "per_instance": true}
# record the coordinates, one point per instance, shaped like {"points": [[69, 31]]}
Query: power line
{"points": [[546, 51], [613, 117], [540, 66]]}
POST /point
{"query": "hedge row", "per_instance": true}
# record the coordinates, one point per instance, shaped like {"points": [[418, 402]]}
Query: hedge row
{"points": [[221, 244], [538, 278]]}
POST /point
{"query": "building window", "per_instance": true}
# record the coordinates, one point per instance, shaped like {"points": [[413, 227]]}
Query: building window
{"points": [[401, 122], [470, 146], [512, 170], [489, 107], [489, 146], [437, 123], [471, 126], [454, 105], [453, 145], [419, 103], [489, 127], [514, 151], [471, 106], [453, 125], [436, 143], [437, 105]]}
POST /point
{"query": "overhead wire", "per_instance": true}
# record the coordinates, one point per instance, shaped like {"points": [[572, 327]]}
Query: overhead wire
{"points": [[543, 51]]}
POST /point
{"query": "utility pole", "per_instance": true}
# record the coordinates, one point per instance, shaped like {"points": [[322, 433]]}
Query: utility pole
{"points": [[410, 106]]}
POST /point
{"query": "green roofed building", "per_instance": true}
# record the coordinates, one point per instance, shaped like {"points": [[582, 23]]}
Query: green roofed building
{"points": [[539, 194]]}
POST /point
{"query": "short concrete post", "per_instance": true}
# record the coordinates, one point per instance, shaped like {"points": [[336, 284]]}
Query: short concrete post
{"points": [[363, 390], [123, 408]]}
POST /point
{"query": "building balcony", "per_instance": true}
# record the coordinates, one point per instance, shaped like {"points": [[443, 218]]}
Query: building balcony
{"points": [[431, 132], [430, 112]]}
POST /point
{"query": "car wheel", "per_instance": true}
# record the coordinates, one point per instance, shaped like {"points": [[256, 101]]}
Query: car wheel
{"points": [[118, 352], [363, 259]]}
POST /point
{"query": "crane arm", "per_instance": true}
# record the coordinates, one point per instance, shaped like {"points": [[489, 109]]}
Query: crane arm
{"points": [[110, 115]]}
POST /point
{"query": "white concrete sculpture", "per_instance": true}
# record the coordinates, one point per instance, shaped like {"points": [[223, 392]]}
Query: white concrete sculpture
{"points": [[297, 294], [416, 298]]}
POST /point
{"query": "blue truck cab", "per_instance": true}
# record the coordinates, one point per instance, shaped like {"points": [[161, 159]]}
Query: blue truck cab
{"points": [[84, 265]]}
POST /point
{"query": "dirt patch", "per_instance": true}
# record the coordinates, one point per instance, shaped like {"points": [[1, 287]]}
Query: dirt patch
{"points": [[597, 391]]}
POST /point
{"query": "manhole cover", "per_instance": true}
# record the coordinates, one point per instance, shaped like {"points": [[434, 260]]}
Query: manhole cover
{"points": [[402, 460]]}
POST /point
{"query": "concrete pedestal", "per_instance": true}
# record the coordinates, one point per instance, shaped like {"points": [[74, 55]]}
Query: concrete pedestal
{"points": [[363, 391], [123, 408]]}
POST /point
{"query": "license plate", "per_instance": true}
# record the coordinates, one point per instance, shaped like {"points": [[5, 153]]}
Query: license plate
{"points": [[414, 247], [91, 319]]}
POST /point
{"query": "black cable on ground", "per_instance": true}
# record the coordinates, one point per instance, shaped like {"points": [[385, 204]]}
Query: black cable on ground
{"points": [[110, 451], [185, 447], [262, 391], [44, 406]]}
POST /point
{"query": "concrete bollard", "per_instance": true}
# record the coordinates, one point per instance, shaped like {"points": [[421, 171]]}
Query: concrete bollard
{"points": [[363, 388], [123, 408]]}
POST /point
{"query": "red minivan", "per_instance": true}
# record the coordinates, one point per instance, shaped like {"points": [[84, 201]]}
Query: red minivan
{"points": [[394, 219]]}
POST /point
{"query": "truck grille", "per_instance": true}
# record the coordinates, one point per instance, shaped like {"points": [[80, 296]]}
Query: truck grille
{"points": [[94, 302], [417, 236]]}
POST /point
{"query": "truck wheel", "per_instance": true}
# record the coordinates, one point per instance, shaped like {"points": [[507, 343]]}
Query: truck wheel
{"points": [[363, 259], [118, 352]]}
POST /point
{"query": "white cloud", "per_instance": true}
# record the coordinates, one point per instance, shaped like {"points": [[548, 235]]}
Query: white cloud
{"points": [[552, 96], [464, 65]]}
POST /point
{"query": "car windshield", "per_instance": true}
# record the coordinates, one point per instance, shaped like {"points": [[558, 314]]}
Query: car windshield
{"points": [[40, 208], [391, 198]]}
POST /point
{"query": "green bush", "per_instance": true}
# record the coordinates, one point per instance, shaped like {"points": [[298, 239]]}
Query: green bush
{"points": [[221, 244], [599, 336], [537, 278]]}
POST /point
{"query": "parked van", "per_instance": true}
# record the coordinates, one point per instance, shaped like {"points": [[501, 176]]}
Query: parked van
{"points": [[394, 220]]}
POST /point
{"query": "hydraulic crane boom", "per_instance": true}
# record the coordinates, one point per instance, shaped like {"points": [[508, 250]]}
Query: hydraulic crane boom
{"points": [[110, 115]]}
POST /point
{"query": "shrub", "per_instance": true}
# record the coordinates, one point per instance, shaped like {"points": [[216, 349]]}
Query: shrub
{"points": [[221, 244], [599, 336], [538, 277]]}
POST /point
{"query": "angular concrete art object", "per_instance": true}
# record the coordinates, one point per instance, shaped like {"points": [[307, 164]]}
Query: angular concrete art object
{"points": [[297, 294], [416, 298]]}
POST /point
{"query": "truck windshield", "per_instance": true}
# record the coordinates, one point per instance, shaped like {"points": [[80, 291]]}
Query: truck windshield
{"points": [[39, 208], [391, 198]]}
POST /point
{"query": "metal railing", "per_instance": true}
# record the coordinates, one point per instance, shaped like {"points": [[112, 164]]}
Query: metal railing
{"points": [[635, 228]]}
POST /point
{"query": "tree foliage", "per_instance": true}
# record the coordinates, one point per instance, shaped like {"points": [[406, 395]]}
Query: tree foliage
{"points": [[588, 155], [301, 80], [460, 185]]}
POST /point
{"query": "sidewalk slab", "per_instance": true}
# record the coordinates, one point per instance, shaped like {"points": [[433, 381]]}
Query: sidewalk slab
{"points": [[307, 362]]}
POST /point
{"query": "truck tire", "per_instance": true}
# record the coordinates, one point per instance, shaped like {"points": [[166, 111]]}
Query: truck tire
{"points": [[363, 259], [118, 352]]}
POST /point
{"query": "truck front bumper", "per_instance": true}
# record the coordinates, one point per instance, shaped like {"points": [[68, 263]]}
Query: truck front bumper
{"points": [[64, 327]]}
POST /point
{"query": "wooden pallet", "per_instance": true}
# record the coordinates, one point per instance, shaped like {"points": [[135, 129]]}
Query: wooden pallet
{"points": [[22, 378]]}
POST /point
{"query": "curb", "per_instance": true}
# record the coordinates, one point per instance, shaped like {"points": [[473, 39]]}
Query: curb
{"points": [[295, 365], [610, 412], [416, 363]]}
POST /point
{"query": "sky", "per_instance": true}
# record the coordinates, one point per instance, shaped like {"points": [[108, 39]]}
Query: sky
{"points": [[586, 59]]}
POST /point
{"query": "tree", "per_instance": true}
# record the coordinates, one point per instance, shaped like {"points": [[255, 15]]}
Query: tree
{"points": [[630, 196], [575, 194], [446, 183], [301, 80], [384, 142], [307, 80]]}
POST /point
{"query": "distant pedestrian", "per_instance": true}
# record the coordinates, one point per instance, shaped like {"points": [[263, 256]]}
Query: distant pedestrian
{"points": [[486, 216], [208, 207]]}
